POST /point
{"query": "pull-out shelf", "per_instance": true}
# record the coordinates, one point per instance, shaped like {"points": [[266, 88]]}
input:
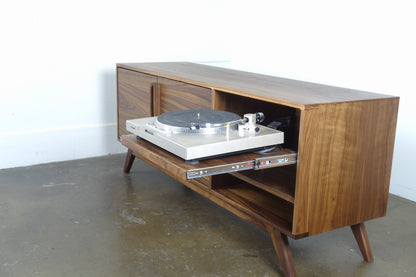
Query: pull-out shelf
{"points": [[250, 194], [243, 162]]}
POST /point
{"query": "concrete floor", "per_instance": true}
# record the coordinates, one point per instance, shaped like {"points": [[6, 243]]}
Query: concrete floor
{"points": [[86, 218]]}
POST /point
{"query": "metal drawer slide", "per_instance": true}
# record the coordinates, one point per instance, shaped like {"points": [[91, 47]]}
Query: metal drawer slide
{"points": [[252, 164]]}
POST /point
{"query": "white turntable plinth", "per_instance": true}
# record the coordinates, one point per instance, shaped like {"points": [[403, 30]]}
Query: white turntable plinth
{"points": [[201, 141]]}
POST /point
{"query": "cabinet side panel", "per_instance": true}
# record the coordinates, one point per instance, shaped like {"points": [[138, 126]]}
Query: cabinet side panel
{"points": [[133, 96], [176, 95], [309, 123], [350, 164]]}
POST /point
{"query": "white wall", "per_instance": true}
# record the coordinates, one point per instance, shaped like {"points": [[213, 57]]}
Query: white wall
{"points": [[367, 45], [57, 88]]}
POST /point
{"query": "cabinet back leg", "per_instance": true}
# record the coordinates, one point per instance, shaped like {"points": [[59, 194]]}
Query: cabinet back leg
{"points": [[281, 245], [129, 161], [361, 237]]}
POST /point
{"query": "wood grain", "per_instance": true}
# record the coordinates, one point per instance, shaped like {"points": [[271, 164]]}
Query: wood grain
{"points": [[309, 122], [347, 166], [131, 142], [133, 97], [283, 91], [176, 96], [155, 100], [272, 112], [361, 237], [278, 181], [129, 161], [269, 209], [344, 138], [281, 245], [254, 205]]}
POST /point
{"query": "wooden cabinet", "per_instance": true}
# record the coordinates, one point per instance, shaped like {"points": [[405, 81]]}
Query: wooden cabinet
{"points": [[175, 95], [343, 138], [134, 96], [143, 95]]}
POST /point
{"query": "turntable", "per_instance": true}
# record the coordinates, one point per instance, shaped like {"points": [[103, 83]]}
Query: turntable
{"points": [[200, 134]]}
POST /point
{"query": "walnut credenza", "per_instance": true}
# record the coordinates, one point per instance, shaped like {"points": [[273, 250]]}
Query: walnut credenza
{"points": [[343, 138]]}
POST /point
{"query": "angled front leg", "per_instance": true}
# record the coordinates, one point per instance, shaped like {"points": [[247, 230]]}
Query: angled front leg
{"points": [[361, 237], [129, 161], [281, 245]]}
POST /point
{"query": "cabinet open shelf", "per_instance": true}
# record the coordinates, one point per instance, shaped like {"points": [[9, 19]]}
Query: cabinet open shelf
{"points": [[240, 105], [263, 205], [278, 181]]}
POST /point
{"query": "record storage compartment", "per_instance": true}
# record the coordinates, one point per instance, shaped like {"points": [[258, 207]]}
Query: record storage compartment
{"points": [[269, 192], [343, 139]]}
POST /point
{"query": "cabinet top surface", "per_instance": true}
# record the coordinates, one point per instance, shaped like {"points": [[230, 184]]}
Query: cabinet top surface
{"points": [[283, 91]]}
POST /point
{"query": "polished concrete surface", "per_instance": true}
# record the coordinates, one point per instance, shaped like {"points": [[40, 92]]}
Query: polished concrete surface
{"points": [[86, 218]]}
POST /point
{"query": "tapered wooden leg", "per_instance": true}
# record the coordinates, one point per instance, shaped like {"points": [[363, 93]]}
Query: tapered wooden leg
{"points": [[281, 245], [360, 235], [129, 161]]}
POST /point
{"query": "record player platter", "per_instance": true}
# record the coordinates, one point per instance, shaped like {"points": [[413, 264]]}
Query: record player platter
{"points": [[200, 134], [197, 121]]}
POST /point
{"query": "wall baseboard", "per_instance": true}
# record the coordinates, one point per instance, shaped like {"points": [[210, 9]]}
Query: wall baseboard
{"points": [[60, 144], [407, 192]]}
